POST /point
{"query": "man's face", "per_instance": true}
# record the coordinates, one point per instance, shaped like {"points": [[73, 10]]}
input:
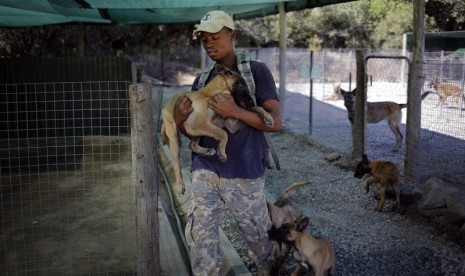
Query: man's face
{"points": [[218, 45]]}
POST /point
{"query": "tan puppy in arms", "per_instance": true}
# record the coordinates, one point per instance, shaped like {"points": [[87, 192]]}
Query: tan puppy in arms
{"points": [[204, 122]]}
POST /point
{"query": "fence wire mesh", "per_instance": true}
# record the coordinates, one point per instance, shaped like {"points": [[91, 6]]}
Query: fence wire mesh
{"points": [[312, 107], [67, 200]]}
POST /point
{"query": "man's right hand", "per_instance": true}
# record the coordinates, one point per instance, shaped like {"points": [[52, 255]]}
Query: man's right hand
{"points": [[182, 109]]}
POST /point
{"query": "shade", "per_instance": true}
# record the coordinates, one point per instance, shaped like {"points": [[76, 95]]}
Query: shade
{"points": [[24, 13]]}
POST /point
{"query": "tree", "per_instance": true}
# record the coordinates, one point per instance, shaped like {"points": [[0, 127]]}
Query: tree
{"points": [[446, 15]]}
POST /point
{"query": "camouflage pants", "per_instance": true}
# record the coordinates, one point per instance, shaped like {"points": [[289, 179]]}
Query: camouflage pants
{"points": [[245, 199]]}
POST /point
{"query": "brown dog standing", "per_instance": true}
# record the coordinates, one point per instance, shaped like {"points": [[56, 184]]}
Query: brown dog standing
{"points": [[310, 252], [204, 122], [383, 172], [377, 112]]}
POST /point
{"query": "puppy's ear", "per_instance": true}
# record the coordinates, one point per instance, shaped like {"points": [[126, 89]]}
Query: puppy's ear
{"points": [[220, 68], [303, 223], [353, 91], [364, 158]]}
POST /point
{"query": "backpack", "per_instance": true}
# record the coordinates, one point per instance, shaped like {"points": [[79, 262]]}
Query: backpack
{"points": [[243, 64]]}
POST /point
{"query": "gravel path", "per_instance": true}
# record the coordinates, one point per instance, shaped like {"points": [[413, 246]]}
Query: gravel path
{"points": [[366, 242]]}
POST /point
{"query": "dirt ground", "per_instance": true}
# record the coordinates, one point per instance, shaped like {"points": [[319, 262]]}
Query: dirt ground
{"points": [[72, 222]]}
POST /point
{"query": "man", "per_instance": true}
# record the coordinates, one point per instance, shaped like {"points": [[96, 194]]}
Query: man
{"points": [[238, 183]]}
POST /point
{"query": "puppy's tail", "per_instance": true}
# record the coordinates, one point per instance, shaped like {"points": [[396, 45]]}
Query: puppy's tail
{"points": [[285, 195]]}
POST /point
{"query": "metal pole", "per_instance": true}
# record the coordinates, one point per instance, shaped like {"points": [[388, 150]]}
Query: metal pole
{"points": [[282, 55], [310, 108]]}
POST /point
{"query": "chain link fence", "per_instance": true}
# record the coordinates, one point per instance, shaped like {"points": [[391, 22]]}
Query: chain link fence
{"points": [[313, 107]]}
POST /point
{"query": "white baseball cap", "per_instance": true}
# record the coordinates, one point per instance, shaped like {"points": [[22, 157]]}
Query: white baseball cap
{"points": [[213, 22]]}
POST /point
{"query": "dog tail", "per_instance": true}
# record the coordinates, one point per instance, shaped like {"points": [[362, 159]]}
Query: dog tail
{"points": [[423, 96], [285, 195], [294, 186]]}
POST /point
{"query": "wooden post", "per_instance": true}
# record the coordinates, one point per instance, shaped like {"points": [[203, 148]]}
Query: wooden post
{"points": [[145, 177], [359, 126], [415, 83], [282, 55]]}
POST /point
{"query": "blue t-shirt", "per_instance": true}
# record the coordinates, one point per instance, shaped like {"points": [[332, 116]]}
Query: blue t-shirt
{"points": [[244, 148]]}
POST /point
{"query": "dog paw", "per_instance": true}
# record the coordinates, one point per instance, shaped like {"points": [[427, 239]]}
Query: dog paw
{"points": [[268, 121], [210, 152], [181, 191], [222, 157]]}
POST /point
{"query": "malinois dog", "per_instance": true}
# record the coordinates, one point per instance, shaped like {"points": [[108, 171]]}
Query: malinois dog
{"points": [[312, 253], [378, 111], [446, 90], [283, 211], [383, 172], [204, 122]]}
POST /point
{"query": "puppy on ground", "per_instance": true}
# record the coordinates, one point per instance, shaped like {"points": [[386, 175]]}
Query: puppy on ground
{"points": [[312, 253], [383, 172], [204, 122], [282, 211]]}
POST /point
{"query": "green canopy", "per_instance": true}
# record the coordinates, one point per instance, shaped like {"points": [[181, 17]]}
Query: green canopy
{"points": [[23, 13]]}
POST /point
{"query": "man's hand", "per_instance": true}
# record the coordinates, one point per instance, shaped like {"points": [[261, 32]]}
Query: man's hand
{"points": [[182, 109], [223, 105]]}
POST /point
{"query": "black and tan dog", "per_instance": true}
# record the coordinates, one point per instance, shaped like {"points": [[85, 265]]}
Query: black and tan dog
{"points": [[379, 111], [204, 121], [383, 172], [316, 254], [283, 211]]}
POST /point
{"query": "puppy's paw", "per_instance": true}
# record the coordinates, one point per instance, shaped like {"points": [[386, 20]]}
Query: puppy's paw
{"points": [[268, 121], [210, 152], [180, 189], [222, 157]]}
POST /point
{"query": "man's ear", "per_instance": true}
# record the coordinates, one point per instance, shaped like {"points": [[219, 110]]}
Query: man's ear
{"points": [[233, 35]]}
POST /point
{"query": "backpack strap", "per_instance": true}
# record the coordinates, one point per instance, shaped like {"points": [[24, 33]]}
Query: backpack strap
{"points": [[205, 74], [243, 64]]}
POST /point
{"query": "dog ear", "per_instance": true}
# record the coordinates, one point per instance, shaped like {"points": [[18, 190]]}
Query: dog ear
{"points": [[353, 91], [364, 158], [220, 68], [303, 223]]}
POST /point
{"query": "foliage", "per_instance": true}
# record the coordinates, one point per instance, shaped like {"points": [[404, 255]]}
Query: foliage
{"points": [[63, 40], [446, 15]]}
